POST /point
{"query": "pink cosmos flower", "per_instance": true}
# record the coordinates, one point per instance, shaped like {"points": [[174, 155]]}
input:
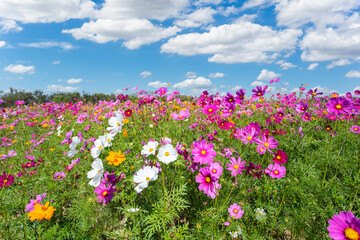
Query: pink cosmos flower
{"points": [[105, 193], [6, 180], [181, 116], [301, 107], [276, 171], [235, 211], [339, 105], [344, 226], [216, 169], [161, 91], [266, 143], [236, 166], [355, 129], [306, 117], [280, 157], [203, 152], [30, 207], [207, 181], [210, 109], [246, 136], [59, 175]]}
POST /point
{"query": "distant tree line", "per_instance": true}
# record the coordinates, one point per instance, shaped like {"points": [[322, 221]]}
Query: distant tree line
{"points": [[10, 97]]}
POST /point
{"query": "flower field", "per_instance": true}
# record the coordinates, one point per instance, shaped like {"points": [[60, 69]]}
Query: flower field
{"points": [[257, 165]]}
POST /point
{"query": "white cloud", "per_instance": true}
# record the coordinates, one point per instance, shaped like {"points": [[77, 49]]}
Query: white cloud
{"points": [[341, 62], [326, 91], [197, 83], [2, 43], [217, 75], [255, 3], [266, 75], [330, 44], [257, 83], [45, 11], [197, 18], [287, 65], [229, 10], [135, 32], [60, 88], [49, 44], [74, 80], [56, 62], [145, 74], [312, 66], [20, 69], [118, 91], [235, 88], [353, 74], [239, 42], [191, 75], [7, 25], [214, 2], [157, 84], [295, 13]]}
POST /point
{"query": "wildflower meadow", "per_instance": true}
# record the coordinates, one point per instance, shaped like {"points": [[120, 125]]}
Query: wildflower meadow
{"points": [[251, 165]]}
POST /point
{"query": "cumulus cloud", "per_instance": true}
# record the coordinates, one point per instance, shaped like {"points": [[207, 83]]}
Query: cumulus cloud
{"points": [[60, 88], [312, 66], [2, 43], [239, 42], [45, 11], [74, 80], [266, 75], [20, 69], [56, 62], [49, 44], [217, 75], [197, 83], [133, 31], [145, 74], [157, 84], [236, 88], [353, 74], [7, 25], [257, 83], [197, 18], [255, 3], [341, 62], [191, 75], [287, 65]]}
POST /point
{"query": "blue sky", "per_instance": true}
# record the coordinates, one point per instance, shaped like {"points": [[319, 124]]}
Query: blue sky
{"points": [[221, 46]]}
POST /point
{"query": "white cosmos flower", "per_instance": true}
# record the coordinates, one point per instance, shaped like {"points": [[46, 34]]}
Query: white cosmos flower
{"points": [[116, 123], [167, 154], [96, 173], [99, 146], [143, 176], [108, 139], [260, 214], [149, 149], [75, 142]]}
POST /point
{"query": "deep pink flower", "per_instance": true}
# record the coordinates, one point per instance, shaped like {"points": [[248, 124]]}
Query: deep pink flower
{"points": [[59, 175], [216, 169], [276, 171], [339, 105], [280, 157], [210, 109], [236, 166], [246, 136], [207, 181], [161, 91], [266, 143], [355, 129], [301, 107], [30, 207], [306, 117], [181, 116], [6, 180], [235, 211], [258, 92], [203, 152], [105, 193], [344, 226]]}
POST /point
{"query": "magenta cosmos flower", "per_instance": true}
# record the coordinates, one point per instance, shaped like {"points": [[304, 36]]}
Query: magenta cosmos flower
{"points": [[258, 92], [236, 166], [276, 171], [280, 157], [161, 91], [181, 116], [235, 211], [339, 105], [355, 129], [344, 226], [210, 109], [266, 143], [59, 175], [216, 169], [203, 152], [207, 181], [30, 207], [6, 180], [105, 193]]}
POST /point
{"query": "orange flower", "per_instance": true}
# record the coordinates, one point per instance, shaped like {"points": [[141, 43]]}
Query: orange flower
{"points": [[125, 133], [41, 212], [116, 158]]}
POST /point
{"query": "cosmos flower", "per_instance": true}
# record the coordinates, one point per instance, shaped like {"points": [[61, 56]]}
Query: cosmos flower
{"points": [[181, 116], [235, 211], [355, 129], [116, 123], [216, 169], [344, 226], [73, 146], [236, 166], [143, 176], [210, 109], [339, 105], [258, 92], [266, 143], [105, 193], [98, 146], [276, 171], [59, 175], [96, 173], [301, 107], [40, 212], [207, 181], [280, 157], [6, 180], [30, 207], [149, 149], [203, 152], [260, 214], [167, 154], [116, 158]]}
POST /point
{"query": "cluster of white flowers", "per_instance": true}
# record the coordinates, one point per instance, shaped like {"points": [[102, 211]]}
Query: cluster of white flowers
{"points": [[236, 234], [260, 214]]}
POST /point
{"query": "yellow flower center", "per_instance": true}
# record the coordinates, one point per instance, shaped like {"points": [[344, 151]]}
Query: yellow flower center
{"points": [[118, 124], [59, 177], [105, 193], [5, 181], [338, 106], [230, 110], [276, 172], [236, 166], [108, 140], [99, 171], [208, 179], [210, 110], [259, 93], [214, 171], [203, 152], [180, 116], [266, 144], [235, 210], [44, 208], [278, 157], [248, 138], [351, 234], [147, 178], [356, 129], [167, 154], [100, 147], [151, 149]]}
